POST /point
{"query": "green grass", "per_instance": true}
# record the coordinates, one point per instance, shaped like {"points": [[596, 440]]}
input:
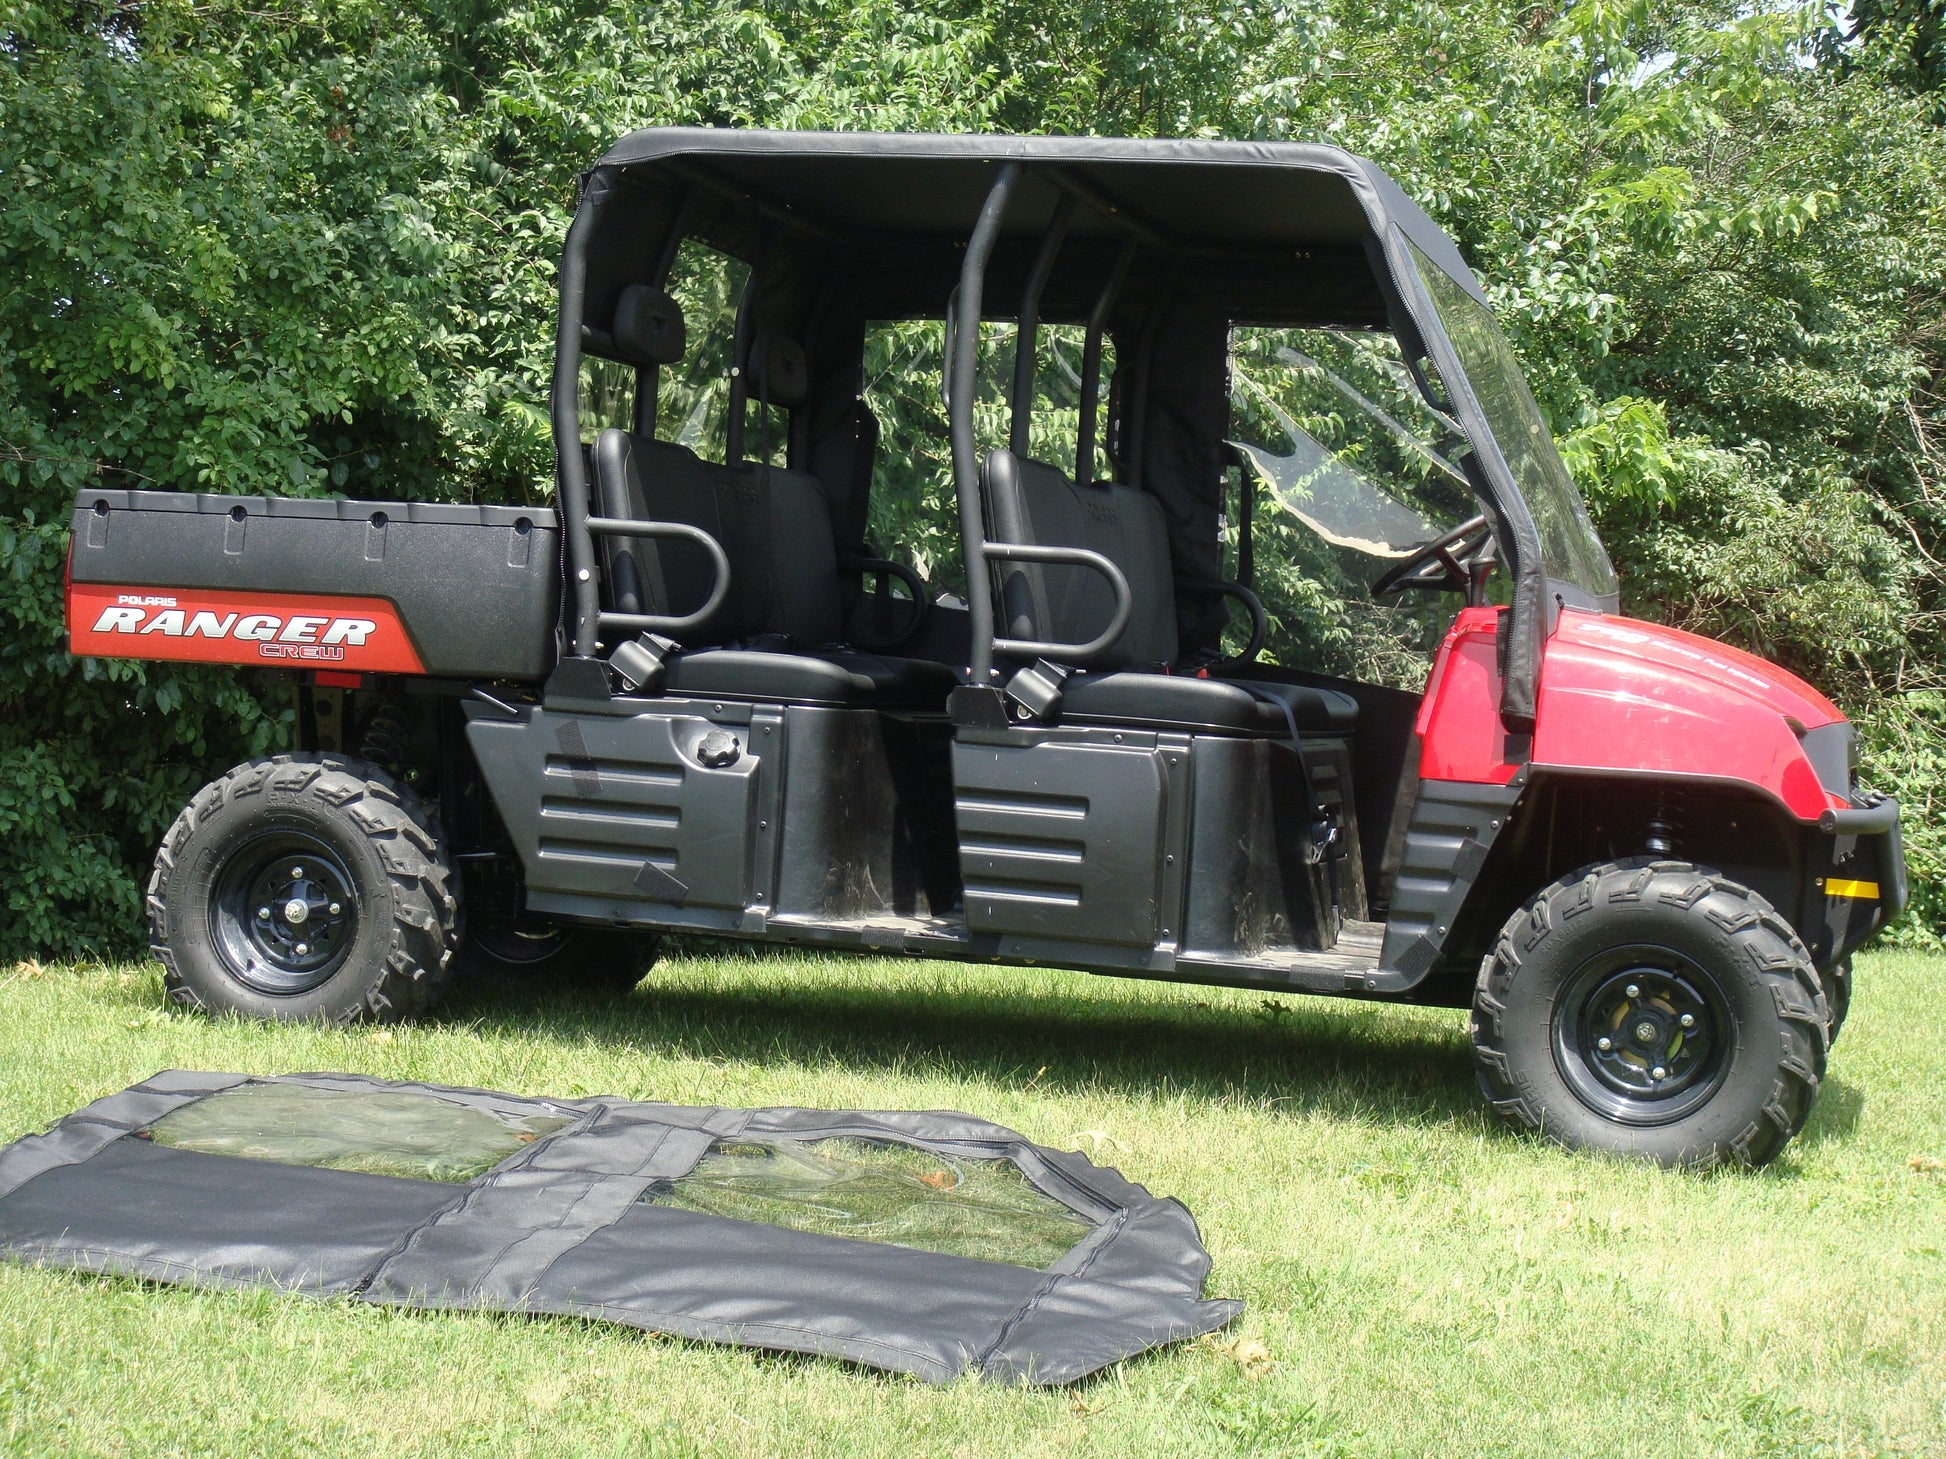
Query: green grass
{"points": [[1422, 1282]]}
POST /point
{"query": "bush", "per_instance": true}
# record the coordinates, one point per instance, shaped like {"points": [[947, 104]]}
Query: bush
{"points": [[1905, 756]]}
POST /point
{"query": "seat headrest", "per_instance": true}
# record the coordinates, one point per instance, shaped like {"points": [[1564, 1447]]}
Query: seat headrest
{"points": [[648, 327], [778, 371]]}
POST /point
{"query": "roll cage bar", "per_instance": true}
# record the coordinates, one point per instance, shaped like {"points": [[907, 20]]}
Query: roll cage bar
{"points": [[1389, 218]]}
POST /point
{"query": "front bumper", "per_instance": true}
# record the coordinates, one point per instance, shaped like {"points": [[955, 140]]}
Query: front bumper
{"points": [[1856, 882]]}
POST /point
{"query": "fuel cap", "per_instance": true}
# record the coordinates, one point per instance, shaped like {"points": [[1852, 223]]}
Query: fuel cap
{"points": [[718, 748]]}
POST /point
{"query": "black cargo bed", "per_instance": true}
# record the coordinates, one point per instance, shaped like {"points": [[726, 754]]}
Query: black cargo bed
{"points": [[414, 587]]}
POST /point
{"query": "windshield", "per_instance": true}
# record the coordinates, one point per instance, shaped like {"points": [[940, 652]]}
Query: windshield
{"points": [[1334, 428], [1571, 551], [1328, 425]]}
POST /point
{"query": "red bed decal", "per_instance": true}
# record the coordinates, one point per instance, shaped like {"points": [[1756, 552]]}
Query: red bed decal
{"points": [[219, 626]]}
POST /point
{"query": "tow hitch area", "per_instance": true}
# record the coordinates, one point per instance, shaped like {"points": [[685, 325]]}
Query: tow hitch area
{"points": [[928, 1243]]}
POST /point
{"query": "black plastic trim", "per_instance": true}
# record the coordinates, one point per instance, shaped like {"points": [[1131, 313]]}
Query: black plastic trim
{"points": [[1871, 820], [1453, 826]]}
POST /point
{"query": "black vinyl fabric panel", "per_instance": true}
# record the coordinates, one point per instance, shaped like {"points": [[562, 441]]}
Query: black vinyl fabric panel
{"points": [[137, 1207], [1270, 195], [737, 1281], [573, 1224]]}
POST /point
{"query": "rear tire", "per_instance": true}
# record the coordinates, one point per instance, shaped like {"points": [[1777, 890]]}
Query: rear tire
{"points": [[528, 950], [1651, 1009], [303, 888]]}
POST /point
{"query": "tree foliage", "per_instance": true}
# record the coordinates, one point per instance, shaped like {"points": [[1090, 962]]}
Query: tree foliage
{"points": [[312, 251], [1913, 32]]}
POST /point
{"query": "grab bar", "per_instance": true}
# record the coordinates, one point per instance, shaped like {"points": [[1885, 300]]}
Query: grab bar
{"points": [[1074, 653], [659, 622]]}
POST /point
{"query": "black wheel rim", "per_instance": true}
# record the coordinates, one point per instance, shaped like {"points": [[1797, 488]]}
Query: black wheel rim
{"points": [[1642, 1035], [284, 913]]}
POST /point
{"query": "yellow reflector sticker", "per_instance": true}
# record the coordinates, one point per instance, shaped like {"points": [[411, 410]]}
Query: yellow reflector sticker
{"points": [[1836, 887]]}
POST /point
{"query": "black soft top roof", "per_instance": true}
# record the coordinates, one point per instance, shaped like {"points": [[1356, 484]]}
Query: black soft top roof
{"points": [[1210, 197]]}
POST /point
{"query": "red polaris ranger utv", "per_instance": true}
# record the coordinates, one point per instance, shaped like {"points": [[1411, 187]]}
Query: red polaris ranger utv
{"points": [[1030, 550]]}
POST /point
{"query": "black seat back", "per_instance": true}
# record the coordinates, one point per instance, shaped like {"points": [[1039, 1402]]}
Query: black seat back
{"points": [[774, 525], [783, 555], [649, 480], [1030, 501]]}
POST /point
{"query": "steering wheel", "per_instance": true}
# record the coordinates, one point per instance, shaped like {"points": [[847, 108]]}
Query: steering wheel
{"points": [[1439, 566]]}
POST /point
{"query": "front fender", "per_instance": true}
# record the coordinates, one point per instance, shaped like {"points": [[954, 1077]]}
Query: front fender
{"points": [[1618, 697], [1627, 704]]}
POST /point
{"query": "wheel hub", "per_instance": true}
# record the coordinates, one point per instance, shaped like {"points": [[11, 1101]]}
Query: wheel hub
{"points": [[1640, 1035], [284, 913]]}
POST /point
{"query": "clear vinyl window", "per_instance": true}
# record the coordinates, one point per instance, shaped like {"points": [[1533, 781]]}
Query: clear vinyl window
{"points": [[693, 396], [607, 397], [1571, 547], [873, 1190], [418, 1136], [1349, 470]]}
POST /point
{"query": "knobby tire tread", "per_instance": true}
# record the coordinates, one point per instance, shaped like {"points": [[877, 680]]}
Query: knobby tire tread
{"points": [[1772, 946], [419, 964]]}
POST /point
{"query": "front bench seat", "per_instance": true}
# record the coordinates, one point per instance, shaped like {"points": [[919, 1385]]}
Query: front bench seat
{"points": [[1031, 501]]}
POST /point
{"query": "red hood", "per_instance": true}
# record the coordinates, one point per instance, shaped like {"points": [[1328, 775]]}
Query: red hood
{"points": [[1686, 653], [1622, 697]]}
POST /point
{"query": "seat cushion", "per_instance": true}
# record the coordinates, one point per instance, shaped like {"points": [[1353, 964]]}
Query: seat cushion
{"points": [[852, 679], [1316, 710], [1177, 701]]}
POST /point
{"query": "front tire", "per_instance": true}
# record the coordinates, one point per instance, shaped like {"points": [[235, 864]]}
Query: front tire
{"points": [[1652, 1009], [303, 888]]}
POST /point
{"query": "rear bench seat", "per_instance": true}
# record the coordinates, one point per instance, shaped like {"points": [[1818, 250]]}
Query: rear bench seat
{"points": [[1033, 502], [776, 636]]}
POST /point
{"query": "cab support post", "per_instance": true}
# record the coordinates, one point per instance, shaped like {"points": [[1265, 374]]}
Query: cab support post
{"points": [[1084, 445], [959, 410], [1022, 404], [570, 470]]}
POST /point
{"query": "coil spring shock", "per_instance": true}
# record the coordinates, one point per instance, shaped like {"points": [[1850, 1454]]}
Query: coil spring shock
{"points": [[1664, 825], [386, 739]]}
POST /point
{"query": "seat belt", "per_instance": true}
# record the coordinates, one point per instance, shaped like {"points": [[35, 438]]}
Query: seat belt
{"points": [[1324, 831]]}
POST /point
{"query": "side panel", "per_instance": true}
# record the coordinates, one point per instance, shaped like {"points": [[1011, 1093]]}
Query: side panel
{"points": [[1061, 834], [1251, 890], [868, 818], [1453, 825], [1461, 736], [622, 808]]}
